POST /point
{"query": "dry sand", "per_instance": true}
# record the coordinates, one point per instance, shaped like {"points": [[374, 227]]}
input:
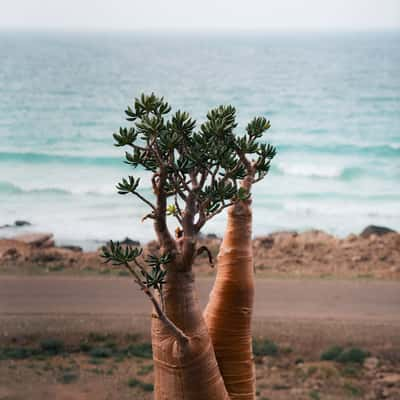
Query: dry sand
{"points": [[313, 312]]}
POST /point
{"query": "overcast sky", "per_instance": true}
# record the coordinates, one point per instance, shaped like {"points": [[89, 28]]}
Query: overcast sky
{"points": [[200, 14]]}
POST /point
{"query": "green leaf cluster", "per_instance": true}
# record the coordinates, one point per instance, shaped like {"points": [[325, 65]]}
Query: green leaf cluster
{"points": [[123, 255], [118, 254], [128, 185], [155, 278], [212, 153]]}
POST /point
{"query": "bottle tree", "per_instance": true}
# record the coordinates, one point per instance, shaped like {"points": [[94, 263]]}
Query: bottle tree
{"points": [[196, 172]]}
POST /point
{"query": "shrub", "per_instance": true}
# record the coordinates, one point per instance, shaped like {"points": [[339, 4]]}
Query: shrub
{"points": [[52, 346], [100, 352], [96, 361], [110, 344], [16, 353], [85, 346], [132, 337], [332, 353], [353, 355], [142, 350], [147, 387], [68, 377], [264, 348], [352, 390], [145, 369], [119, 357], [314, 395]]}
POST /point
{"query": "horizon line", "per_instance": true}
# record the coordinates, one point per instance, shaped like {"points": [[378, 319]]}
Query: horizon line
{"points": [[34, 29]]}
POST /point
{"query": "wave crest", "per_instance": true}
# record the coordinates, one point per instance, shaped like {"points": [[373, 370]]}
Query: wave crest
{"points": [[44, 158], [319, 171], [10, 188]]}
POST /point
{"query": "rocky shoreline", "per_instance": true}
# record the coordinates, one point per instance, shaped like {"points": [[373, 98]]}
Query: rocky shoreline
{"points": [[375, 253]]}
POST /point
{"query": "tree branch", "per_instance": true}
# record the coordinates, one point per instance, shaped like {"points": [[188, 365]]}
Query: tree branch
{"points": [[189, 232], [151, 205], [160, 222], [203, 249], [212, 215], [178, 333]]}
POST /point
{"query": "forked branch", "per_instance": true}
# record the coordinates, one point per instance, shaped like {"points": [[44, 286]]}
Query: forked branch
{"points": [[118, 255], [178, 333], [207, 167]]}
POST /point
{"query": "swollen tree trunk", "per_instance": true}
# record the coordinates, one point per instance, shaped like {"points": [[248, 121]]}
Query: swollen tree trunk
{"points": [[199, 170], [184, 370], [229, 311]]}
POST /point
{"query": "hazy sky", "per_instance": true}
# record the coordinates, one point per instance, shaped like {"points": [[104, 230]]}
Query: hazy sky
{"points": [[200, 14]]}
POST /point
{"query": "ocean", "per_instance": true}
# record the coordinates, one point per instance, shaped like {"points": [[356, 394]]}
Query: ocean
{"points": [[333, 100]]}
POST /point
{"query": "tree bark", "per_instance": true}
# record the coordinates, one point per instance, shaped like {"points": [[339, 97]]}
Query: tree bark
{"points": [[229, 311], [184, 370]]}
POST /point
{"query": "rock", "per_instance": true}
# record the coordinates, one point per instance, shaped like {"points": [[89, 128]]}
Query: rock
{"points": [[375, 230], [47, 256], [47, 244], [284, 234], [5, 226], [359, 258], [315, 235], [10, 254], [77, 249], [265, 242], [296, 391], [20, 340], [20, 222], [352, 237], [371, 363], [129, 242], [391, 380], [35, 239]]}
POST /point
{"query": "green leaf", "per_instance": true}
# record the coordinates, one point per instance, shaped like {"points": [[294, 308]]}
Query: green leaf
{"points": [[125, 137], [119, 255], [128, 185]]}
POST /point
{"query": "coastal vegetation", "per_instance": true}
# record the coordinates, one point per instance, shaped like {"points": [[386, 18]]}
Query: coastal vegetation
{"points": [[297, 373]]}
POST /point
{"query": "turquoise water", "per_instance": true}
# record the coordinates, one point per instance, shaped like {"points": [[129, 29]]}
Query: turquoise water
{"points": [[333, 101]]}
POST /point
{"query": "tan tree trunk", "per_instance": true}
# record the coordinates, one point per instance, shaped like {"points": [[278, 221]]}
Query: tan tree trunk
{"points": [[184, 370], [229, 311]]}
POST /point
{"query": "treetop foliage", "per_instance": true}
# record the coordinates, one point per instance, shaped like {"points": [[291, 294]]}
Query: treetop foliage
{"points": [[203, 165]]}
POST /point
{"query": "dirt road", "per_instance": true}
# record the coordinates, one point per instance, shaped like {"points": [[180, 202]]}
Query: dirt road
{"points": [[313, 311]]}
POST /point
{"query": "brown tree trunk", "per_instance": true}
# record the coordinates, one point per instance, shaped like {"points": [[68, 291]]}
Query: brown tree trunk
{"points": [[229, 311], [184, 370]]}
